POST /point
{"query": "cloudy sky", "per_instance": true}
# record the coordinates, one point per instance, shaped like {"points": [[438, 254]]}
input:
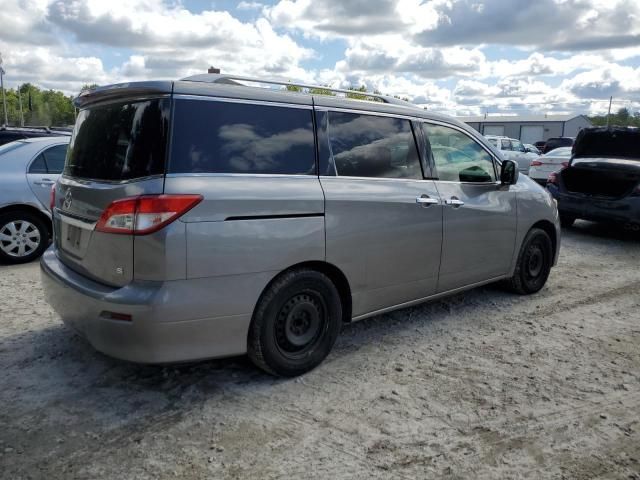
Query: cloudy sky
{"points": [[459, 56]]}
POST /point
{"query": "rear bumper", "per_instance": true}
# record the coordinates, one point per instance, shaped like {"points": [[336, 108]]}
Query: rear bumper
{"points": [[173, 321], [623, 210]]}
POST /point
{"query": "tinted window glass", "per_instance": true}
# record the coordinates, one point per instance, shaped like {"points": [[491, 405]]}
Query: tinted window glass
{"points": [[373, 146], [119, 141], [226, 137], [458, 157], [506, 145], [55, 158], [38, 165]]}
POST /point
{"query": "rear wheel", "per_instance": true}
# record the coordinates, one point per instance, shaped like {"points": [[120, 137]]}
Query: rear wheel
{"points": [[23, 237], [566, 220], [534, 263], [295, 324]]}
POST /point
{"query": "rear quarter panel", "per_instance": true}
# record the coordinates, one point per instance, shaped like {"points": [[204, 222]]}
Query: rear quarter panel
{"points": [[14, 187]]}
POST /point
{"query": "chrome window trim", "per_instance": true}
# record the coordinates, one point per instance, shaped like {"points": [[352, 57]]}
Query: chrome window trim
{"points": [[64, 176], [377, 179], [243, 175], [368, 112], [206, 98]]}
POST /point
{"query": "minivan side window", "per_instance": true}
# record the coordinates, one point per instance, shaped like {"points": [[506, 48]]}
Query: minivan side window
{"points": [[372, 146], [458, 158], [230, 137]]}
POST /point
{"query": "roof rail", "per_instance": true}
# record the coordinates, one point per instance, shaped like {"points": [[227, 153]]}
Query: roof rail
{"points": [[231, 80]]}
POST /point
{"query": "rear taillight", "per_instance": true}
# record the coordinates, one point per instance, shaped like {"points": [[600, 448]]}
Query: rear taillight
{"points": [[536, 163], [565, 164], [52, 198], [145, 214], [553, 178]]}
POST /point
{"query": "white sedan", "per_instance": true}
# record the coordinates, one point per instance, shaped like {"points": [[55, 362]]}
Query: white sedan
{"points": [[549, 163]]}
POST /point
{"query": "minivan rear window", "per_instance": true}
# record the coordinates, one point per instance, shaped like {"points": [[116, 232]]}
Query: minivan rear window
{"points": [[119, 141], [230, 137]]}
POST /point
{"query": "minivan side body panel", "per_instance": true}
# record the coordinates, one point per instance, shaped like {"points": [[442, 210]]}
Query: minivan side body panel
{"points": [[251, 224]]}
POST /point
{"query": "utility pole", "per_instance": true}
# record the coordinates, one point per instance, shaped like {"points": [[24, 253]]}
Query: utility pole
{"points": [[4, 100], [609, 113], [20, 103]]}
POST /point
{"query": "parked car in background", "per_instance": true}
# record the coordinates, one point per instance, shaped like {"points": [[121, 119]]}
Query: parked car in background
{"points": [[549, 163], [540, 145], [28, 169], [11, 134], [530, 148], [203, 218], [512, 149], [557, 142], [602, 181]]}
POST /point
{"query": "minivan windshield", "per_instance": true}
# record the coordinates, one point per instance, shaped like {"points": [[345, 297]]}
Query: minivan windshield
{"points": [[119, 141]]}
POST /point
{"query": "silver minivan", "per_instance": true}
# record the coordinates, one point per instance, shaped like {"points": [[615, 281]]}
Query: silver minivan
{"points": [[205, 218]]}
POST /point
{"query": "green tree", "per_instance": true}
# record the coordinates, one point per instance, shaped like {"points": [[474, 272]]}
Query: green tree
{"points": [[39, 108]]}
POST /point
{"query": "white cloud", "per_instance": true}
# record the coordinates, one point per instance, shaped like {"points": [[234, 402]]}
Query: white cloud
{"points": [[249, 5], [577, 52]]}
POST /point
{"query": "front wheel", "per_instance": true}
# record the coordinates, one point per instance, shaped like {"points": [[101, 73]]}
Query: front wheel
{"points": [[534, 263], [295, 324], [23, 237]]}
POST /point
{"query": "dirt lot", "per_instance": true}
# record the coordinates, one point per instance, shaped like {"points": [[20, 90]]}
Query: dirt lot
{"points": [[482, 385]]}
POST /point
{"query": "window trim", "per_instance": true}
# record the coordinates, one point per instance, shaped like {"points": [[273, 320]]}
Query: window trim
{"points": [[41, 151], [46, 163], [181, 96], [328, 111], [495, 162], [206, 98]]}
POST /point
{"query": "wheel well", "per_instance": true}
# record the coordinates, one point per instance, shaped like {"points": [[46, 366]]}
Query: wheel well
{"points": [[30, 209], [551, 231], [335, 275]]}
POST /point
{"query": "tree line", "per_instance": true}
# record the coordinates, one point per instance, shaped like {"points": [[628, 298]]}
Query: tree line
{"points": [[53, 108], [40, 107], [622, 118]]}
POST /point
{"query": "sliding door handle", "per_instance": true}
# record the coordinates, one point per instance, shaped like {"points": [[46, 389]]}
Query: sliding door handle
{"points": [[425, 201]]}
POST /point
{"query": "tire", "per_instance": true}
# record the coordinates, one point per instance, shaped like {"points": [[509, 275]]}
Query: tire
{"points": [[566, 220], [24, 236], [534, 263], [295, 324]]}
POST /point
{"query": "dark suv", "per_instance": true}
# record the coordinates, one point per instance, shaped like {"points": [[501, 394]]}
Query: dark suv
{"points": [[11, 134], [557, 142]]}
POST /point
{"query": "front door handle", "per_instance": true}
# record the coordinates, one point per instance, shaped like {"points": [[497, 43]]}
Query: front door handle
{"points": [[454, 202], [425, 201]]}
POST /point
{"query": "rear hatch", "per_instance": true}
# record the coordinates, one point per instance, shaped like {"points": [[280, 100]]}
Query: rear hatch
{"points": [[606, 163], [118, 150]]}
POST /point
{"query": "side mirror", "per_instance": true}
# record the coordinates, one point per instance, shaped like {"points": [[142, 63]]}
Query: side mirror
{"points": [[509, 172]]}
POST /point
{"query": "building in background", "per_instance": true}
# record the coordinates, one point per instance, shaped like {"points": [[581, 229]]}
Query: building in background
{"points": [[528, 128]]}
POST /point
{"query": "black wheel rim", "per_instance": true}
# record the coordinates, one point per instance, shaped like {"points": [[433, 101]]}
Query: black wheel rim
{"points": [[536, 263], [300, 323]]}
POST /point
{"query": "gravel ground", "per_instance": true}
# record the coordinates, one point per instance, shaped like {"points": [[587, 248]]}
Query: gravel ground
{"points": [[484, 384]]}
